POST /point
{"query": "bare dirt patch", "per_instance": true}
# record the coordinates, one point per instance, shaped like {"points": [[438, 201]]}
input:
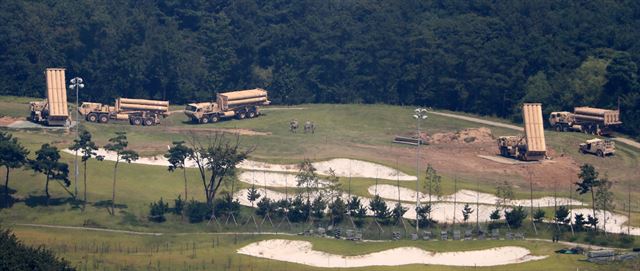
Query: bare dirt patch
{"points": [[6, 120], [471, 135], [240, 131]]}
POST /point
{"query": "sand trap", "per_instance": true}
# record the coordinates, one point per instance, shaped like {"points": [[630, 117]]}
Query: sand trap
{"points": [[390, 192], [302, 252], [615, 222], [272, 179], [342, 167]]}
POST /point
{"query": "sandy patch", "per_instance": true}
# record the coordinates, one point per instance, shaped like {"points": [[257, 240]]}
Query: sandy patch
{"points": [[342, 167], [7, 120], [302, 252], [615, 222], [390, 192], [273, 179], [470, 135]]}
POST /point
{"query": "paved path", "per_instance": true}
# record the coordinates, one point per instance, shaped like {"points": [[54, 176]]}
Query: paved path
{"points": [[518, 128]]}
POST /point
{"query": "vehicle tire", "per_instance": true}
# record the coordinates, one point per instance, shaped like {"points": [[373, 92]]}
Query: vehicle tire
{"points": [[558, 128], [103, 118], [251, 114], [241, 115], [148, 122], [136, 121], [600, 153], [565, 128], [204, 120], [213, 119], [92, 117]]}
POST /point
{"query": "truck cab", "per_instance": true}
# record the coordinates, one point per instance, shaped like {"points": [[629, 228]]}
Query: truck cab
{"points": [[598, 147], [561, 121], [202, 112]]}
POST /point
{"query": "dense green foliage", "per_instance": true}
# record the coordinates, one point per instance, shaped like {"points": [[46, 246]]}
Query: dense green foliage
{"points": [[479, 56], [14, 255]]}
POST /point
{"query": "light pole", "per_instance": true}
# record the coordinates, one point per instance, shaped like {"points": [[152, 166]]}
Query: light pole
{"points": [[76, 83], [419, 114]]}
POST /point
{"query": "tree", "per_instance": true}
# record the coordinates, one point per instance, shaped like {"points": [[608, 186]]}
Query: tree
{"points": [[333, 185], [15, 255], [337, 210], [562, 215], [317, 207], [589, 181], [579, 222], [264, 207], [157, 211], [466, 211], [219, 159], [515, 216], [12, 155], [593, 222], [88, 149], [177, 156], [538, 216], [356, 209], [398, 211], [48, 163], [118, 144], [252, 194], [307, 177], [504, 192], [379, 208], [424, 214], [495, 215], [604, 198]]}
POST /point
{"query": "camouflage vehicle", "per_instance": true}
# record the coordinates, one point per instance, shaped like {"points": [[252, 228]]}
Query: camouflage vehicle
{"points": [[532, 145], [52, 111], [136, 111], [589, 120], [598, 147], [239, 104]]}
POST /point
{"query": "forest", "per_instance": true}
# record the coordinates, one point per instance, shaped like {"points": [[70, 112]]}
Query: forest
{"points": [[481, 56]]}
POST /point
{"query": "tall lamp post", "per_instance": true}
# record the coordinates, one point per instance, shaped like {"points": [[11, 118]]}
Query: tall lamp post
{"points": [[419, 114], [76, 83]]}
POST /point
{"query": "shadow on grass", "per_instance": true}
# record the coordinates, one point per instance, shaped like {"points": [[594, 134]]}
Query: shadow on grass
{"points": [[34, 201], [107, 204]]}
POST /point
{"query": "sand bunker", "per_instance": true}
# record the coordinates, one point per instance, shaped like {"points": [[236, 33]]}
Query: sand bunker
{"points": [[302, 252], [342, 167], [272, 179], [615, 222], [390, 192]]}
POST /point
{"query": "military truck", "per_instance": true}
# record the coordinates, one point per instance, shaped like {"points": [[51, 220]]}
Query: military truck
{"points": [[531, 146], [52, 111], [136, 111], [589, 120], [239, 104], [598, 147]]}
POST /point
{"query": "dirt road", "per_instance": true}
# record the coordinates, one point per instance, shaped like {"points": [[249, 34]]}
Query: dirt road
{"points": [[517, 128]]}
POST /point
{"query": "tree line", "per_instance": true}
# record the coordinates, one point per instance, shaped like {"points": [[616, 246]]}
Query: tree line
{"points": [[480, 56]]}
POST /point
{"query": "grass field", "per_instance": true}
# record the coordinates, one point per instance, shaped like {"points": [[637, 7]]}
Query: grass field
{"points": [[352, 131]]}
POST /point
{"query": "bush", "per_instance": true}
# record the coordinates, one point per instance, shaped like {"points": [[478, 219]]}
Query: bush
{"points": [[264, 207], [14, 255], [515, 216], [317, 208], [538, 215], [178, 205], [380, 209], [299, 210], [197, 211], [337, 209], [157, 211], [282, 207], [226, 206]]}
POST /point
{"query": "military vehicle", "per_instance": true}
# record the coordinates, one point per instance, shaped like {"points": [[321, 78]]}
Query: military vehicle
{"points": [[52, 111], [136, 111], [589, 120], [598, 147], [239, 104], [531, 146]]}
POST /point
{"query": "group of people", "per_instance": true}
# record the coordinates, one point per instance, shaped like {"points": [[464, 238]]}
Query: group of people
{"points": [[309, 127]]}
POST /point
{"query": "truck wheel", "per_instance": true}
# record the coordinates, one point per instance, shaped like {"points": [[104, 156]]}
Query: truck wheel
{"points": [[214, 119], [136, 121], [148, 122], [103, 119], [558, 128], [205, 120], [92, 117], [241, 115], [600, 153], [251, 114]]}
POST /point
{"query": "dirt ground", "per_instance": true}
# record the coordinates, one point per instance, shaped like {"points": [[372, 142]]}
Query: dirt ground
{"points": [[6, 120], [240, 131]]}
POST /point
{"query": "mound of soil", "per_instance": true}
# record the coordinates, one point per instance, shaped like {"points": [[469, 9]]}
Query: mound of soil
{"points": [[471, 135]]}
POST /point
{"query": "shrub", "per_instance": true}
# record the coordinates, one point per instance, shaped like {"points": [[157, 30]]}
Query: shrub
{"points": [[337, 209], [317, 208], [226, 206], [515, 216], [178, 205], [264, 207], [379, 209], [157, 211], [538, 215], [14, 255], [197, 211]]}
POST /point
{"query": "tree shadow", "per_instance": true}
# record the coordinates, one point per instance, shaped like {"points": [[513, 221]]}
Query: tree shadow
{"points": [[34, 201], [107, 204]]}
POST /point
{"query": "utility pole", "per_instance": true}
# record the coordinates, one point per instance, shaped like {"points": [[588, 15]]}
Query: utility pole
{"points": [[420, 114], [76, 83]]}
